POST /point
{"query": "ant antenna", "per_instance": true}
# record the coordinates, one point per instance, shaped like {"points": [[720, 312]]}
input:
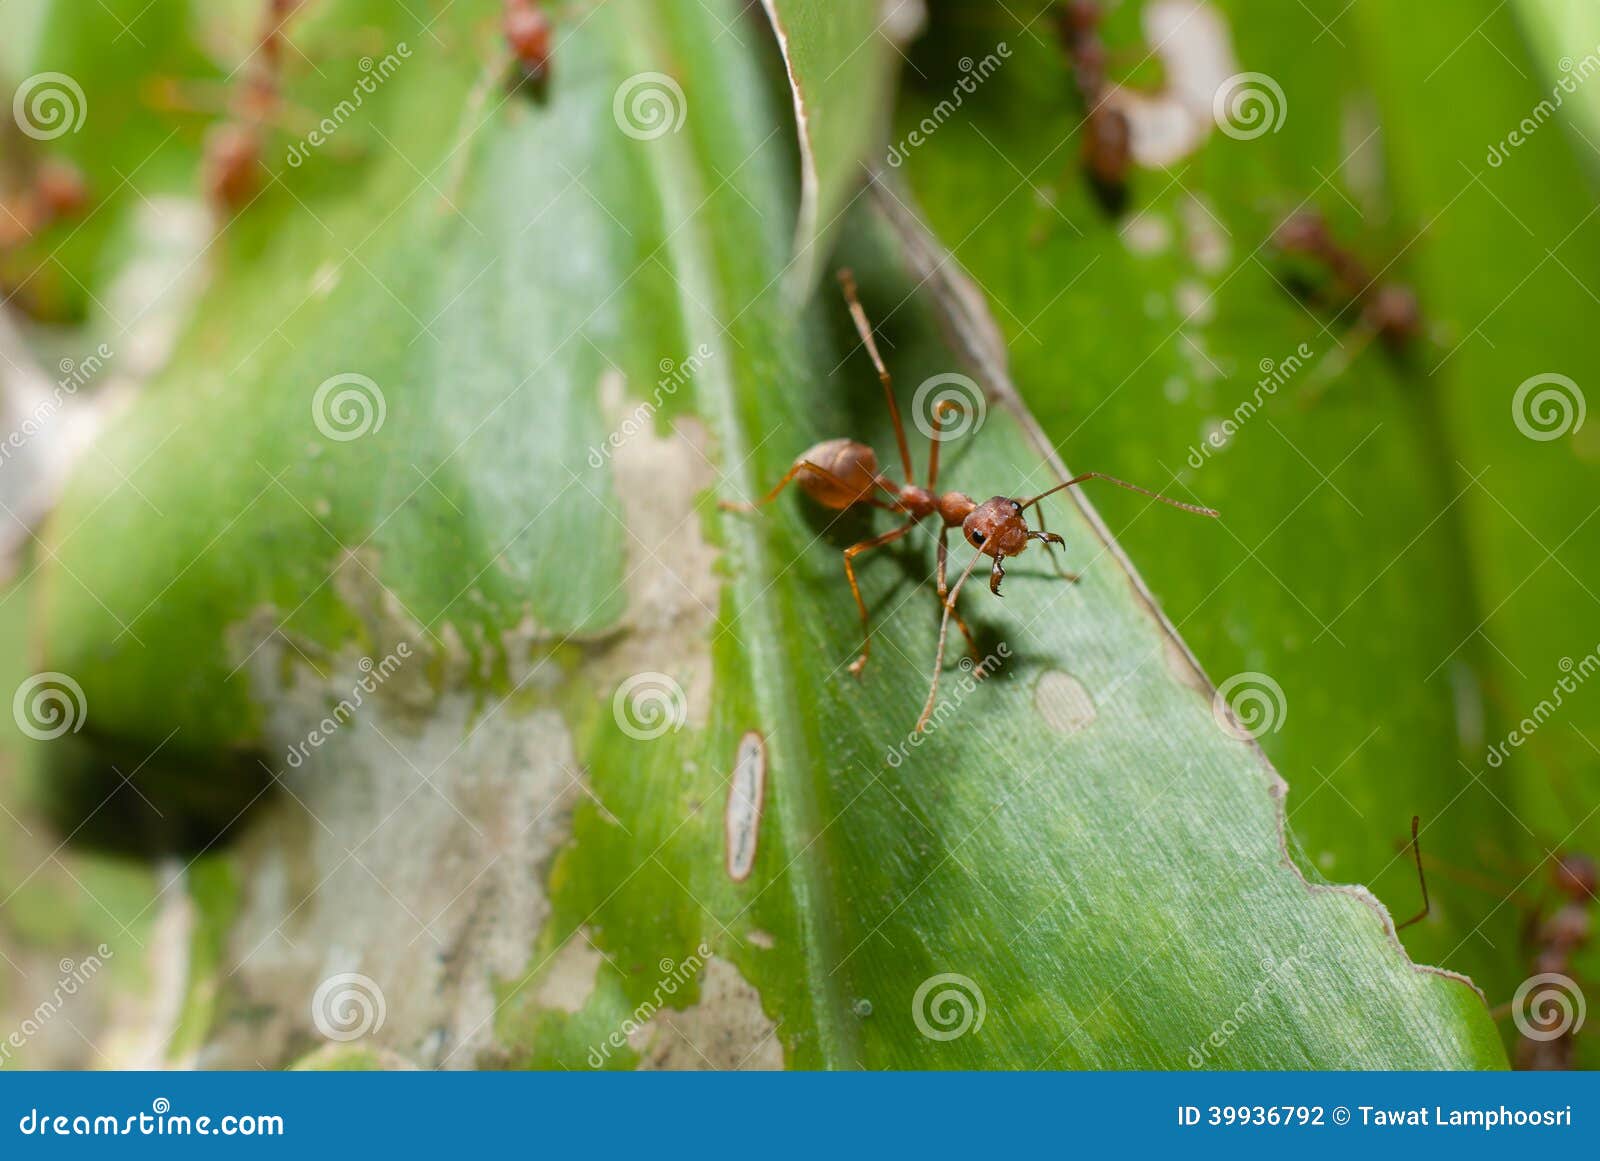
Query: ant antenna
{"points": [[1196, 508], [847, 281], [1416, 849]]}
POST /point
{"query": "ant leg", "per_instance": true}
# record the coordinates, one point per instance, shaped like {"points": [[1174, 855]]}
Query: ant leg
{"points": [[1050, 540], [788, 478], [850, 554], [961, 622], [847, 282], [935, 439], [751, 506], [944, 629], [1416, 849]]}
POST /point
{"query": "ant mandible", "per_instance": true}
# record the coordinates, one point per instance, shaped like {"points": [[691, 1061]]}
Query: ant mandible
{"points": [[843, 473]]}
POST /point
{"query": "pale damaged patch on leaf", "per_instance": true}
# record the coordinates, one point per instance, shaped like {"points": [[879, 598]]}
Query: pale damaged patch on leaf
{"points": [[746, 794], [411, 844], [726, 1030], [1192, 40], [1063, 703], [142, 1025], [569, 980], [672, 588]]}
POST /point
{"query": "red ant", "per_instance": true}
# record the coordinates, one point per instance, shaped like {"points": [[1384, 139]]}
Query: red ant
{"points": [[231, 169], [1553, 943], [1108, 135], [1389, 308], [843, 473], [528, 32], [56, 192]]}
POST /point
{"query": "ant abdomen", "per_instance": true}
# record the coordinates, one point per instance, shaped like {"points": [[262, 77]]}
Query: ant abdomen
{"points": [[848, 472]]}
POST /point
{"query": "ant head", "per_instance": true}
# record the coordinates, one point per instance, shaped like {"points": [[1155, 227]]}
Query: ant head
{"points": [[996, 527], [1575, 877]]}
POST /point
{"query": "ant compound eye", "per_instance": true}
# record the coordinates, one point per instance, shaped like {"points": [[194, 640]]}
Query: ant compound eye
{"points": [[1016, 505], [977, 539]]}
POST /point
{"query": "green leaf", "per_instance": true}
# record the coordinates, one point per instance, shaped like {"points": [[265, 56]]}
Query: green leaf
{"points": [[1397, 549], [518, 819], [840, 61]]}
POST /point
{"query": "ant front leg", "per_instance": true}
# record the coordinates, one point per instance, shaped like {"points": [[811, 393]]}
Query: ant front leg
{"points": [[850, 554], [972, 646]]}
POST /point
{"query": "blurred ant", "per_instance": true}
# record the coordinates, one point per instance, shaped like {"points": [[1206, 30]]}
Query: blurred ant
{"points": [[1552, 943], [528, 32], [843, 473], [1390, 309], [1108, 134], [231, 167], [56, 192]]}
